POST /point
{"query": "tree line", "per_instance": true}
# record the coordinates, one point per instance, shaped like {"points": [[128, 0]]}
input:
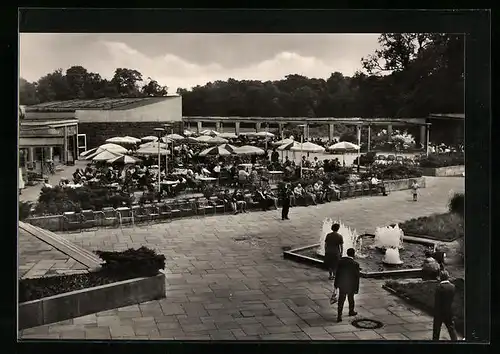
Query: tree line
{"points": [[412, 75]]}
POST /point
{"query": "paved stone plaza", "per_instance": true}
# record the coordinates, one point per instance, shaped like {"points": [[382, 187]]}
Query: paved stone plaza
{"points": [[227, 279]]}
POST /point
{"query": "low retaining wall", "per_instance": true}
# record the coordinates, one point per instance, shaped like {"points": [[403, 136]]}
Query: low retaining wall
{"points": [[448, 171], [402, 184], [56, 222], [91, 300]]}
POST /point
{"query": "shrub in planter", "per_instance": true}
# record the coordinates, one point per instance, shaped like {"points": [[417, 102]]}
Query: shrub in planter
{"points": [[457, 204], [143, 262], [443, 160], [366, 159], [24, 210], [395, 171]]}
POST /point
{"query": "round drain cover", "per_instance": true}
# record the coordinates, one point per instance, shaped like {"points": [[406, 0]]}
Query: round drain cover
{"points": [[366, 323]]}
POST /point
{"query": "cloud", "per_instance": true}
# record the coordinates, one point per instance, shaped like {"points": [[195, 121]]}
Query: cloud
{"points": [[43, 53], [174, 72]]}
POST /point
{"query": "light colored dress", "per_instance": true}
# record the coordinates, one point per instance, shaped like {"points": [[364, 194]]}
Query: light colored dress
{"points": [[21, 180]]}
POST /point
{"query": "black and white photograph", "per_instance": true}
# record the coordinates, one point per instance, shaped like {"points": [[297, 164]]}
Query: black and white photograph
{"points": [[241, 186]]}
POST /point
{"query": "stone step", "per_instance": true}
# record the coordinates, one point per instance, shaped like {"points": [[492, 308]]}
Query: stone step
{"points": [[80, 254], [57, 238]]}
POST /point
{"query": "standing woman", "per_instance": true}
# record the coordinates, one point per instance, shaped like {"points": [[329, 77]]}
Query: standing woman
{"points": [[414, 190]]}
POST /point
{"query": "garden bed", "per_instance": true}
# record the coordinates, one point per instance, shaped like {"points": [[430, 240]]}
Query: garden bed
{"points": [[440, 227], [371, 266], [421, 294]]}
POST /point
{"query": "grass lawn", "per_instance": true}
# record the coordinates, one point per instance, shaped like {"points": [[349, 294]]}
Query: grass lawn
{"points": [[422, 295], [441, 227]]}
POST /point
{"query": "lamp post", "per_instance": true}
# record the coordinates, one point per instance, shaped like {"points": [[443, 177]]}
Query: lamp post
{"points": [[159, 131], [167, 126]]}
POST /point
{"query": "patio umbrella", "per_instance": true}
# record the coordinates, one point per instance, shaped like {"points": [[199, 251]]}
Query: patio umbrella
{"points": [[228, 135], [166, 140], [288, 146], [249, 150], [105, 156], [283, 142], [88, 152], [217, 140], [117, 149], [125, 160], [150, 150], [264, 134], [222, 150], [191, 140], [132, 139], [209, 132], [175, 137], [344, 146], [307, 147], [149, 138], [203, 138], [115, 140], [153, 144]]}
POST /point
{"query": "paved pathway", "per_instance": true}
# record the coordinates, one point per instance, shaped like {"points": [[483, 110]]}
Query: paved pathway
{"points": [[31, 193], [220, 288]]}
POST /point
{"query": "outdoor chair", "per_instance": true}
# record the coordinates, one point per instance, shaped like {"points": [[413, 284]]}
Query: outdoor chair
{"points": [[88, 219], [125, 215], [187, 207], [165, 210], [175, 210], [153, 211], [140, 213], [72, 221], [109, 214], [357, 190], [202, 205], [218, 204]]}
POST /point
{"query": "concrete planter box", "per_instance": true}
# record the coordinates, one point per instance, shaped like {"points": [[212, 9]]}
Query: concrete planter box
{"points": [[403, 184], [91, 300], [296, 256], [448, 171], [51, 222]]}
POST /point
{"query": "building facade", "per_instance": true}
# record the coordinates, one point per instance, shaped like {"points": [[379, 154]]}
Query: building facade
{"points": [[45, 136]]}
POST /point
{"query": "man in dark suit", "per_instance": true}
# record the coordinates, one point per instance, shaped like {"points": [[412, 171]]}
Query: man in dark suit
{"points": [[285, 201], [443, 298], [347, 282]]}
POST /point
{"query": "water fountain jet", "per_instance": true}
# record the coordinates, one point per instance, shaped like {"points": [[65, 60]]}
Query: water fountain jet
{"points": [[350, 237]]}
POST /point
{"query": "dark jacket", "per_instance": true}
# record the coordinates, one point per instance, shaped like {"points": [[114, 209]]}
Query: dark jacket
{"points": [[443, 298], [347, 277]]}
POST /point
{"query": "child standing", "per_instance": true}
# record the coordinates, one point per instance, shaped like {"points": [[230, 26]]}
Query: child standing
{"points": [[414, 190]]}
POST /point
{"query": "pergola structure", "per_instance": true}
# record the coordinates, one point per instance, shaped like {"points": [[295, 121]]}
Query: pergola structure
{"points": [[279, 122]]}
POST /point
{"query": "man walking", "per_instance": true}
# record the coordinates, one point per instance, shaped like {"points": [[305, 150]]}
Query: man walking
{"points": [[347, 283], [443, 298], [285, 202]]}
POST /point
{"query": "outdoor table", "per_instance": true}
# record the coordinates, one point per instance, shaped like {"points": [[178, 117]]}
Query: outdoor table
{"points": [[170, 183], [122, 209], [275, 174], [207, 179]]}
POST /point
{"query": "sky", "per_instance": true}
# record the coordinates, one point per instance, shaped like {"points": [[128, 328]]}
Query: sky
{"points": [[186, 60]]}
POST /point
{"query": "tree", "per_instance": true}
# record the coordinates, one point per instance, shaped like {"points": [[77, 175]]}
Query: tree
{"points": [[126, 82], [152, 88], [398, 50], [53, 87], [27, 92], [76, 77]]}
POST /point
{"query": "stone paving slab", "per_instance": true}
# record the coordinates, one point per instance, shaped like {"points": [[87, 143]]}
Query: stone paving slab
{"points": [[222, 288]]}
